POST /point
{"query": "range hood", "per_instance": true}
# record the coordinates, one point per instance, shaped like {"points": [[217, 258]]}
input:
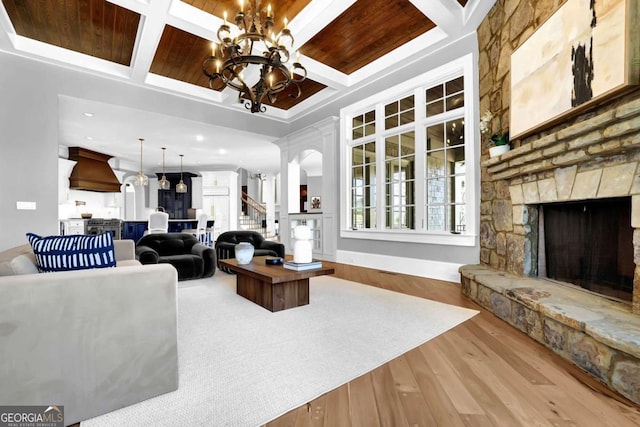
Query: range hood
{"points": [[92, 172]]}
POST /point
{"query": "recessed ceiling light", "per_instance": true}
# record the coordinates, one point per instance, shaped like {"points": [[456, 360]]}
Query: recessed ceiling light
{"points": [[88, 138], [222, 151], [199, 138], [88, 114]]}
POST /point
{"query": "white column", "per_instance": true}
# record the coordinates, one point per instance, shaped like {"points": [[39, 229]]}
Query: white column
{"points": [[293, 188], [268, 187]]}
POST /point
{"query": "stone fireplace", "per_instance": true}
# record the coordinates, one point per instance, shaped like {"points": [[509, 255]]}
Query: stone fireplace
{"points": [[596, 158], [593, 159], [593, 156]]}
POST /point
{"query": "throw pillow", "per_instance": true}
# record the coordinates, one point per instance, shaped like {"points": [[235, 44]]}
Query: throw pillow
{"points": [[79, 252]]}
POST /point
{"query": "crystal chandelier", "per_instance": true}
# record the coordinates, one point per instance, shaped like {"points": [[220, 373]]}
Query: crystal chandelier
{"points": [[255, 45], [141, 179], [181, 187], [163, 184]]}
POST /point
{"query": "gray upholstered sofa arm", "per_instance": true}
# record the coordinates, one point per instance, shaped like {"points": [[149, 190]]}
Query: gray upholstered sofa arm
{"points": [[125, 249], [91, 340]]}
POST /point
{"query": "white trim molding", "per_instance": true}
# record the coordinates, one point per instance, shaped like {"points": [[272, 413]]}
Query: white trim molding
{"points": [[416, 267]]}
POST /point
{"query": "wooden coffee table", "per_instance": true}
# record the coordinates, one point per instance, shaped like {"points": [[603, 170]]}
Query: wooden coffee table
{"points": [[272, 286]]}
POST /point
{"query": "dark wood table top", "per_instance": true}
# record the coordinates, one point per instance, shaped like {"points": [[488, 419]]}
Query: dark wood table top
{"points": [[272, 273]]}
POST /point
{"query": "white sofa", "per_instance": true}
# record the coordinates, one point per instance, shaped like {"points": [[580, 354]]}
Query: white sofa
{"points": [[91, 340]]}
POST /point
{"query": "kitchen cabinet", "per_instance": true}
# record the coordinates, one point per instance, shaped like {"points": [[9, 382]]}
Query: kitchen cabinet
{"points": [[133, 230], [177, 205]]}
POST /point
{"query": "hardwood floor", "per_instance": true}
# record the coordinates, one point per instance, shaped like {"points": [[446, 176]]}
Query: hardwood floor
{"points": [[481, 373]]}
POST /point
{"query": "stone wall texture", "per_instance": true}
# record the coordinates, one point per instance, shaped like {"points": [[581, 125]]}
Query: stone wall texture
{"points": [[593, 151]]}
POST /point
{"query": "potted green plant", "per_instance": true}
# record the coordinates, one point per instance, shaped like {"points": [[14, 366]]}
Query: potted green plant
{"points": [[499, 140]]}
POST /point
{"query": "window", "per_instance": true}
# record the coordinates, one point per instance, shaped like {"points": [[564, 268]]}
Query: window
{"points": [[406, 162], [363, 187], [400, 180], [445, 196], [399, 113], [364, 125]]}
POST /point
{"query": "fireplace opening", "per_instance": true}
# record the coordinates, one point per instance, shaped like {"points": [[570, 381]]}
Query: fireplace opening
{"points": [[589, 244]]}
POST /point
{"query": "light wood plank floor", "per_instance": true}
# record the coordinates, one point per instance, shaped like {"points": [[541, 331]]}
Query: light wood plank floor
{"points": [[481, 373]]}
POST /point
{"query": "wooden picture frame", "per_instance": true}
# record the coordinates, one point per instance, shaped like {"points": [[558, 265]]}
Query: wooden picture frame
{"points": [[582, 54]]}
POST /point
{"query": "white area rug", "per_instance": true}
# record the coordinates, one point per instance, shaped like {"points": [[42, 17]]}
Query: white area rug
{"points": [[241, 365]]}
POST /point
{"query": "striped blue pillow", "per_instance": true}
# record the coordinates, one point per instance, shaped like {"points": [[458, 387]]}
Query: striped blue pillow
{"points": [[63, 253]]}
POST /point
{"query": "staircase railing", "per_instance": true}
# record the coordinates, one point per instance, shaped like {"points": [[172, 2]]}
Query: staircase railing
{"points": [[256, 213]]}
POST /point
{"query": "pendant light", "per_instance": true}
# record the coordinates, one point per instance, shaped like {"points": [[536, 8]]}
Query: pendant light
{"points": [[181, 187], [141, 179], [163, 184]]}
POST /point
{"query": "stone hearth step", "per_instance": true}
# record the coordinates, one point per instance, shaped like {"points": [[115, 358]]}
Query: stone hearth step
{"points": [[599, 335]]}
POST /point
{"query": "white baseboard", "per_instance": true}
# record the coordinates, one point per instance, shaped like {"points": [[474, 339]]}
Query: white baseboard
{"points": [[415, 267]]}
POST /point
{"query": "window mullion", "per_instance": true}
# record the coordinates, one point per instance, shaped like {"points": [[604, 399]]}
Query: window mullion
{"points": [[420, 149], [381, 190]]}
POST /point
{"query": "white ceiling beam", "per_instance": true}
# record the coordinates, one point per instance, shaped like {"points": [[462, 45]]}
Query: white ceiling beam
{"points": [[8, 35], [182, 88], [68, 58], [324, 74], [195, 21], [149, 34], [448, 15]]}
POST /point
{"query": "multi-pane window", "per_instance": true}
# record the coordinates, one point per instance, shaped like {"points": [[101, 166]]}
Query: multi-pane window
{"points": [[445, 96], [408, 163], [398, 113], [445, 180], [364, 125], [400, 160], [363, 186]]}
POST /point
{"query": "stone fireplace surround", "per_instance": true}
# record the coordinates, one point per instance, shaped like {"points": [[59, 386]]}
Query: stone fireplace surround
{"points": [[595, 156]]}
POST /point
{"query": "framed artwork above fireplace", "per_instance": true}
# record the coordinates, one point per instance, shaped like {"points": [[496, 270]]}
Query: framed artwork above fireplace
{"points": [[581, 55]]}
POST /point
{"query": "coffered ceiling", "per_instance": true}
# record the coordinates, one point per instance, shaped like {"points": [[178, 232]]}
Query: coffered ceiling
{"points": [[161, 44]]}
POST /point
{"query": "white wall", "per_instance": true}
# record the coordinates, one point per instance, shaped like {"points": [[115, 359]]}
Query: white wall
{"points": [[29, 159]]}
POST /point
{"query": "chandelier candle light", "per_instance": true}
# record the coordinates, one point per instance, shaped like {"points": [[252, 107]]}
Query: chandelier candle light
{"points": [[141, 179], [163, 184], [233, 55], [181, 187]]}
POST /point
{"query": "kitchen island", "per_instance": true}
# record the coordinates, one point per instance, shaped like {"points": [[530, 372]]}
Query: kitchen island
{"points": [[134, 230]]}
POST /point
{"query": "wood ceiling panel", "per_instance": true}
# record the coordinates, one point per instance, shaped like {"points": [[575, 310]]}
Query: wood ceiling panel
{"points": [[308, 88], [463, 3], [93, 27], [366, 31], [281, 8], [180, 56]]}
